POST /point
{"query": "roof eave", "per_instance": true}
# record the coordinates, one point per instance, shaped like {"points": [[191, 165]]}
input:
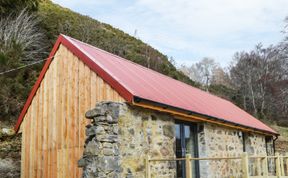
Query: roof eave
{"points": [[167, 108]]}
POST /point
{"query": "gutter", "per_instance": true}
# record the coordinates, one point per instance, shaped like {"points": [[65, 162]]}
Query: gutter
{"points": [[274, 140]]}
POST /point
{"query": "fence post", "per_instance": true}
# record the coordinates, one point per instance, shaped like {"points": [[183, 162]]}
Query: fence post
{"points": [[282, 165], [245, 165], [286, 162], [265, 167], [148, 173], [278, 169], [188, 166], [259, 170]]}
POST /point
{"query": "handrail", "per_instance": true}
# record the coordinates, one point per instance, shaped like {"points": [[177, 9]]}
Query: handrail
{"points": [[280, 170], [195, 159]]}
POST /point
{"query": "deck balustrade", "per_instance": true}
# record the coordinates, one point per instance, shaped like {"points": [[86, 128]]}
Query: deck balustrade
{"points": [[262, 164]]}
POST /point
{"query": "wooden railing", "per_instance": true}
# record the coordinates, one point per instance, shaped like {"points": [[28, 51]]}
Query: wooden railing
{"points": [[280, 164]]}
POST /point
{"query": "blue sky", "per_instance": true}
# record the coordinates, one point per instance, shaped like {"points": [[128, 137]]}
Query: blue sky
{"points": [[189, 30]]}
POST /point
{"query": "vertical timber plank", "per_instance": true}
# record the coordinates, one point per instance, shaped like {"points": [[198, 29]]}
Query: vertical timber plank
{"points": [[64, 114], [27, 141], [76, 118], [108, 92], [49, 119], [54, 118], [72, 118], [40, 130], [100, 88], [81, 112], [44, 132], [58, 89], [98, 94], [81, 109], [32, 133], [69, 171], [36, 134], [67, 116], [93, 89], [23, 147], [60, 118], [87, 91]]}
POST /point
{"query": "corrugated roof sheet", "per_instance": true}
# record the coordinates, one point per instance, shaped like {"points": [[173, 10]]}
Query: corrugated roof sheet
{"points": [[133, 80], [151, 85]]}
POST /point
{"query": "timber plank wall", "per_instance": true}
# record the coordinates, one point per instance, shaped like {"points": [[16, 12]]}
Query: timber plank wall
{"points": [[53, 130]]}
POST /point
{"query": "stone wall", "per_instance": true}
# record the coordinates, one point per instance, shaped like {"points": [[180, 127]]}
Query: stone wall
{"points": [[255, 144], [145, 132], [101, 156], [120, 138], [218, 141]]}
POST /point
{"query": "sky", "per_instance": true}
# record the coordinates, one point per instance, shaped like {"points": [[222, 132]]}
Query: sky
{"points": [[189, 30]]}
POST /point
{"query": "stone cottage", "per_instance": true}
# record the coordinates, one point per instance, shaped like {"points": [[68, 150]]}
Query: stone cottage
{"points": [[139, 113]]}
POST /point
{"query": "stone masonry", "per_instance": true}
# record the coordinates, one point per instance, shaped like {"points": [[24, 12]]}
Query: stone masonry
{"points": [[101, 154], [121, 136], [119, 139], [220, 141]]}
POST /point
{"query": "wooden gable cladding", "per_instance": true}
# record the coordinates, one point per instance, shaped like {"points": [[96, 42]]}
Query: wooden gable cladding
{"points": [[53, 129]]}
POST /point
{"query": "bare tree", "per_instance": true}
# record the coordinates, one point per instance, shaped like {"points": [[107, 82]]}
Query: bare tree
{"points": [[255, 75], [220, 77], [201, 72]]}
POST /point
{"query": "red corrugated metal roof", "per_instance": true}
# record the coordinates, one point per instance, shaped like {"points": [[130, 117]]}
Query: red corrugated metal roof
{"points": [[133, 80]]}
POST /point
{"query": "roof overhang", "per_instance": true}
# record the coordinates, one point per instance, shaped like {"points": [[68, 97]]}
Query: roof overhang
{"points": [[193, 116]]}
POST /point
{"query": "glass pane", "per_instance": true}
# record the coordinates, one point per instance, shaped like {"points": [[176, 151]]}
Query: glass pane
{"points": [[179, 149], [180, 169], [178, 141], [189, 140], [190, 145]]}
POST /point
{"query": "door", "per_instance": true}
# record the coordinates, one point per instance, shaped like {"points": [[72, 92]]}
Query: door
{"points": [[186, 143]]}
